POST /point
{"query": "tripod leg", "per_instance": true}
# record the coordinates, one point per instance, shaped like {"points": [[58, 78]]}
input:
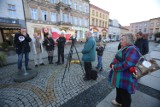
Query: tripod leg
{"points": [[68, 62], [79, 59]]}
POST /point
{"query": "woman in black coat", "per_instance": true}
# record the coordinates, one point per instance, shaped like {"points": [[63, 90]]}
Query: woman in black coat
{"points": [[49, 45]]}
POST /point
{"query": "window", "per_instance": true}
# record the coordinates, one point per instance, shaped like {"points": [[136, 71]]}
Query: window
{"points": [[52, 1], [80, 21], [93, 12], [65, 18], [152, 24], [97, 14], [65, 1], [53, 17], [12, 11], [75, 6], [34, 14], [80, 8], [93, 21], [145, 29], [96, 22], [100, 15], [44, 15], [158, 24], [75, 20], [100, 23]]}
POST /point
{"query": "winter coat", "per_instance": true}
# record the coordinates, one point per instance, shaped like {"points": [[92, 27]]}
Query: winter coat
{"points": [[49, 44], [142, 44], [121, 77], [34, 46], [22, 43], [89, 50], [100, 50], [61, 42]]}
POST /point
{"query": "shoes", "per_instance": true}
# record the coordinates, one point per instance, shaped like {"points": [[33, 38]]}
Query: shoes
{"points": [[27, 68], [41, 64], [58, 63], [51, 63], [114, 102], [36, 65]]}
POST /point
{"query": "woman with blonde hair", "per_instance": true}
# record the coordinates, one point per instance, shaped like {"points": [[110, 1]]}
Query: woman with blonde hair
{"points": [[49, 44]]}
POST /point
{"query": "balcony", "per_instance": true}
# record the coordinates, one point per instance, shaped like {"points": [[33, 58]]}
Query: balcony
{"points": [[63, 23], [64, 6]]}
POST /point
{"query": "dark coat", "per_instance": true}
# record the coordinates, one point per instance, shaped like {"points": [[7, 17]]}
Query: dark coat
{"points": [[100, 51], [142, 44], [49, 44], [61, 42], [22, 46]]}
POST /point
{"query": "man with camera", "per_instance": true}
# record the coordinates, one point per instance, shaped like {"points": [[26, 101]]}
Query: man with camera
{"points": [[61, 43], [21, 41]]}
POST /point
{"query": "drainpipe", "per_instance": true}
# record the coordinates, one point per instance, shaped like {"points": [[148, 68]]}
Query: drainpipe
{"points": [[24, 14]]}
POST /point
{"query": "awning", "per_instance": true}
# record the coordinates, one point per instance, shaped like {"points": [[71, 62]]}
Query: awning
{"points": [[95, 29], [12, 26]]}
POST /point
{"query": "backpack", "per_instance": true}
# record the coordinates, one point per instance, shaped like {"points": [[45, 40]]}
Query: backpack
{"points": [[94, 74]]}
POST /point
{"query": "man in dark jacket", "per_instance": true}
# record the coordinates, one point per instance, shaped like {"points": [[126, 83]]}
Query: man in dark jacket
{"points": [[21, 41], [61, 43], [142, 44]]}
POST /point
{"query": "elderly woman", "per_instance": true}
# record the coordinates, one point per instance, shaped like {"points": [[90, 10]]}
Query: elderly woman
{"points": [[120, 75]]}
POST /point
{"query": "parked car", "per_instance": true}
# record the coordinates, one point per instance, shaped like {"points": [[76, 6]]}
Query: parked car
{"points": [[113, 40], [106, 40]]}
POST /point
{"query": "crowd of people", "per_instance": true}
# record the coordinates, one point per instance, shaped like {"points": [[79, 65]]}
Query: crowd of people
{"points": [[120, 74]]}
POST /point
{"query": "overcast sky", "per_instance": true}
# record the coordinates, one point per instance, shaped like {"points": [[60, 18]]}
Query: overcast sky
{"points": [[130, 11]]}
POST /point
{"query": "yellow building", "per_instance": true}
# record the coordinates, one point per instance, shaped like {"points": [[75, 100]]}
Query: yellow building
{"points": [[123, 30], [99, 20]]}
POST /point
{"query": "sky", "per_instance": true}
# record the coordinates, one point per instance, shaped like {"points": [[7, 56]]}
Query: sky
{"points": [[130, 11]]}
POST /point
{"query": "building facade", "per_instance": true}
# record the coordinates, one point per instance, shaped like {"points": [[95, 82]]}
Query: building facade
{"points": [[114, 30], [123, 30], [140, 27], [99, 20], [149, 28], [44, 16], [11, 19], [154, 27]]}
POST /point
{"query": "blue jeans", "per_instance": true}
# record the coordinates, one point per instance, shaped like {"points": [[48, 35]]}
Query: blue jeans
{"points": [[20, 58], [100, 64]]}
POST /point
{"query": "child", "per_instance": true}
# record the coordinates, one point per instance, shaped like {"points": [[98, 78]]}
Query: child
{"points": [[37, 49], [49, 44], [100, 50]]}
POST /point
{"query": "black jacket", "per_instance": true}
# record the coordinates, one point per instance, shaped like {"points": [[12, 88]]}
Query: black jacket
{"points": [[61, 42], [51, 43], [22, 46], [100, 50], [142, 44]]}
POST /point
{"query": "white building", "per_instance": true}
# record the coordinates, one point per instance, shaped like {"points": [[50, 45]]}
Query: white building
{"points": [[11, 19], [114, 29]]}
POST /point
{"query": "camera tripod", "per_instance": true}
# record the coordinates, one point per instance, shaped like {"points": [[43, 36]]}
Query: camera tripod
{"points": [[69, 58]]}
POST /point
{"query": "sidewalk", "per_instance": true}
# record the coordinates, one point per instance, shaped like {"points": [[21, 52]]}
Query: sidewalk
{"points": [[140, 99]]}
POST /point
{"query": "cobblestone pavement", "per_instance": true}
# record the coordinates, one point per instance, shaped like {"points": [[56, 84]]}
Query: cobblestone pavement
{"points": [[48, 90]]}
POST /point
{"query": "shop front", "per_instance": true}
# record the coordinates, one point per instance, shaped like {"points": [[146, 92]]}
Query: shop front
{"points": [[7, 33]]}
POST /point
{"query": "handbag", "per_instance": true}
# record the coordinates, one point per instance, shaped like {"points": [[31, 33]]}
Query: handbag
{"points": [[144, 66]]}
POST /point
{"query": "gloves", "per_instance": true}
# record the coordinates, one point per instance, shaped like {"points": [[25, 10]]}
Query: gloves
{"points": [[132, 70]]}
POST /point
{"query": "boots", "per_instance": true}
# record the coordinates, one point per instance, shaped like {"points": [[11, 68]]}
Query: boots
{"points": [[51, 59]]}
